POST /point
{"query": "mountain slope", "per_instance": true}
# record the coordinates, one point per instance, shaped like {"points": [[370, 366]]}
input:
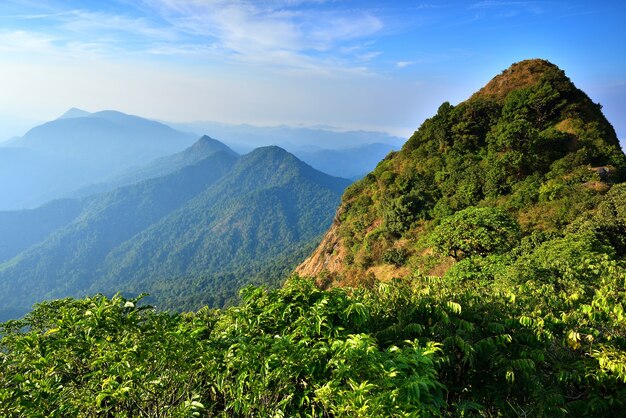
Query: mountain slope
{"points": [[65, 262], [221, 215], [21, 229], [270, 202], [202, 148], [60, 156], [529, 143]]}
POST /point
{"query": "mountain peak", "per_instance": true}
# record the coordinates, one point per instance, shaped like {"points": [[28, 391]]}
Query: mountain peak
{"points": [[74, 113], [208, 145], [529, 130], [520, 75], [206, 140], [270, 152]]}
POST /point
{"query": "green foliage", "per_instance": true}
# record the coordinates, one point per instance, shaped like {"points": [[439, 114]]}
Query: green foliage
{"points": [[414, 347], [100, 357], [476, 231], [295, 352], [529, 142], [395, 256]]}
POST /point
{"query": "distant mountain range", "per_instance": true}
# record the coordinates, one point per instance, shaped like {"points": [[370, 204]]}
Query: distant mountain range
{"points": [[198, 223], [81, 153], [78, 149], [244, 138], [352, 163], [348, 154], [201, 149], [96, 201]]}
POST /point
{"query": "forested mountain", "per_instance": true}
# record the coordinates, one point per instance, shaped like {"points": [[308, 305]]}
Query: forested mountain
{"points": [[266, 207], [77, 149], [218, 215], [347, 154], [479, 271], [21, 229], [528, 143]]}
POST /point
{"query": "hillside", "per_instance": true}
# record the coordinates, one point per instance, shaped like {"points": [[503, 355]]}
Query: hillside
{"points": [[220, 215], [23, 228], [77, 149], [201, 149], [529, 143], [265, 208], [499, 232]]}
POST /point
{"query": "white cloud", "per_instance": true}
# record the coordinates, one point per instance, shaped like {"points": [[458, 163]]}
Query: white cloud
{"points": [[403, 64], [25, 42], [272, 33], [286, 35], [88, 22]]}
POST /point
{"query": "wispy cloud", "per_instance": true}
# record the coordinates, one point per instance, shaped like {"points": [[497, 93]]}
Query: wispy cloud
{"points": [[26, 42], [275, 33], [95, 23], [306, 35]]}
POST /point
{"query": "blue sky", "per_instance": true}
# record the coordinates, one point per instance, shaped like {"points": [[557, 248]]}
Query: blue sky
{"points": [[383, 65]]}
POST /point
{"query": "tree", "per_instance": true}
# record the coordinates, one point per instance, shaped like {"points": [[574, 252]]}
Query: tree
{"points": [[476, 231]]}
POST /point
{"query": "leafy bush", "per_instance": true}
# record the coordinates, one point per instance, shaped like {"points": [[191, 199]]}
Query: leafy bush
{"points": [[395, 256], [476, 231]]}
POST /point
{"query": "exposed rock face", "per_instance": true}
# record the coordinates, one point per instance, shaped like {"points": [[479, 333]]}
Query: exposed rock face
{"points": [[329, 256]]}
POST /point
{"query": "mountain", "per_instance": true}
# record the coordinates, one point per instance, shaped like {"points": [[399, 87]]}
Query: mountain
{"points": [[22, 229], [106, 136], [74, 113], [221, 215], [266, 208], [348, 163], [529, 143], [201, 149], [77, 149], [244, 138]]}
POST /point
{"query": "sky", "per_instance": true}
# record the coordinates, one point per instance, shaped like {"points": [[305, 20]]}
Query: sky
{"points": [[371, 65]]}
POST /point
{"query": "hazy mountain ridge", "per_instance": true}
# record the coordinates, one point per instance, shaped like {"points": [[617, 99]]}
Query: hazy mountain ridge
{"points": [[292, 138], [206, 218], [21, 229], [202, 148], [57, 157], [348, 163]]}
